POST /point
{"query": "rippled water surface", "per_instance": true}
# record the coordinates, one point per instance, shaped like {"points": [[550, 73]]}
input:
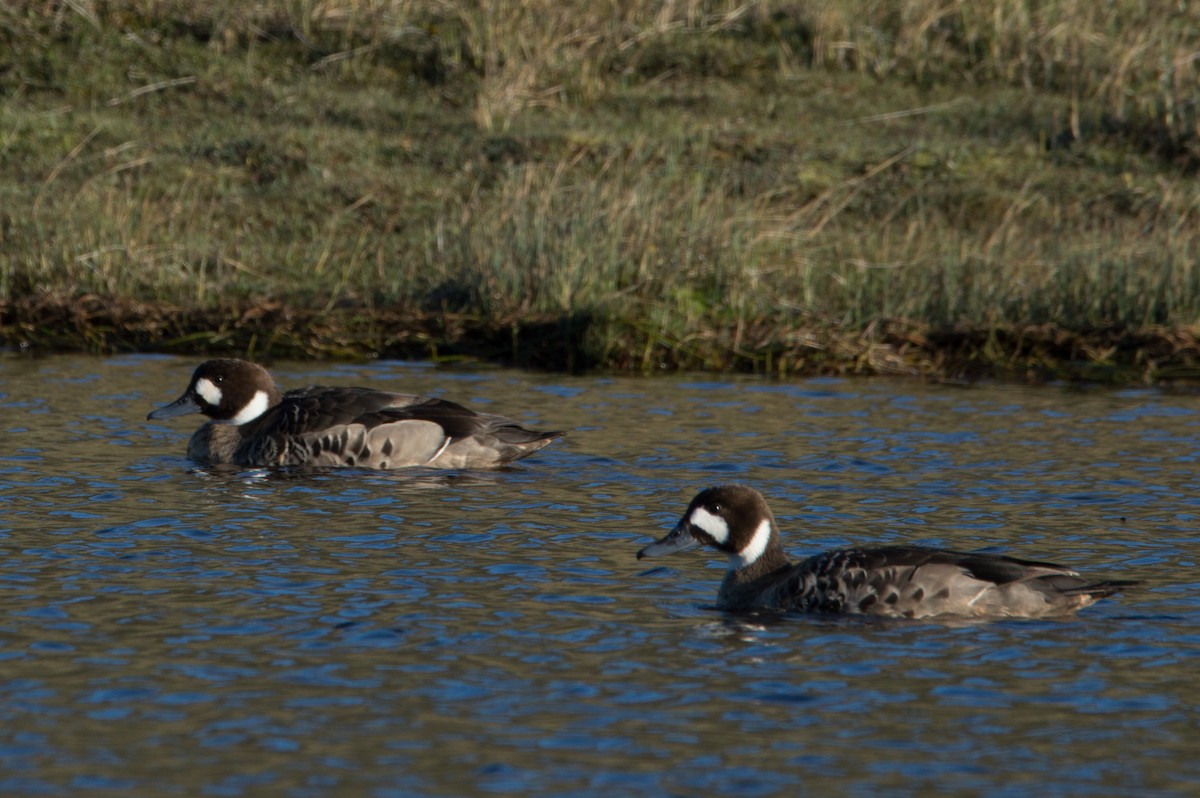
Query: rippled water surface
{"points": [[166, 630]]}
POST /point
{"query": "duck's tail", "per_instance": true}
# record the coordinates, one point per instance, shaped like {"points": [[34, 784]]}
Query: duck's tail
{"points": [[1099, 590]]}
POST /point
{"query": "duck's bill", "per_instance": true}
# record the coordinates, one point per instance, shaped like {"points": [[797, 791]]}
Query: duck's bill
{"points": [[180, 407], [678, 539]]}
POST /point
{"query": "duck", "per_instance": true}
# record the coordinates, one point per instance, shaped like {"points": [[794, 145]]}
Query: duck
{"points": [[900, 581], [252, 423]]}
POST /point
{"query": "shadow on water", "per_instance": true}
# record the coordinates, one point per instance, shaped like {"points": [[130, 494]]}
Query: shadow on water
{"points": [[175, 630], [409, 479]]}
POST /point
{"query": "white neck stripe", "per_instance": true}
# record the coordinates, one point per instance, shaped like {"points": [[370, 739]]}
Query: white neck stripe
{"points": [[253, 409], [714, 525], [754, 549]]}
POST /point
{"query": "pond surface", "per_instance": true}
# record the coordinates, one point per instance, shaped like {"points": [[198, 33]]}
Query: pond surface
{"points": [[167, 630]]}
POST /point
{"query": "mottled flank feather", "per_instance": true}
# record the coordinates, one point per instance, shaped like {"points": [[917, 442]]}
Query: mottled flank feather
{"points": [[331, 426], [893, 581]]}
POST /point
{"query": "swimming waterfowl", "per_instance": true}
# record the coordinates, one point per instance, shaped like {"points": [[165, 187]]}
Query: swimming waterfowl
{"points": [[892, 581], [254, 424]]}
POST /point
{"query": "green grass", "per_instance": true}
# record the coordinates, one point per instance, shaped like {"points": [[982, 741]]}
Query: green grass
{"points": [[697, 184]]}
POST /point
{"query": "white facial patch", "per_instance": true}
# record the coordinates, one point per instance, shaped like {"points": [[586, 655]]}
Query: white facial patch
{"points": [[253, 409], [714, 525], [208, 391], [754, 549]]}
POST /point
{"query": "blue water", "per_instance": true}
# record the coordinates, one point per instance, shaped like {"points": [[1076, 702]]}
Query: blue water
{"points": [[167, 630]]}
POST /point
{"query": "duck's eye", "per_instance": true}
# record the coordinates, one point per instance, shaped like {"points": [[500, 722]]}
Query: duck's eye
{"points": [[716, 508]]}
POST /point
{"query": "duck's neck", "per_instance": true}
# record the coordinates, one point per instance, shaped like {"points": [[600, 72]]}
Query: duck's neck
{"points": [[746, 582]]}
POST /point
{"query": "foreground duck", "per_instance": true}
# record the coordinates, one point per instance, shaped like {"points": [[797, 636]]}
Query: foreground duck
{"points": [[892, 581], [253, 424]]}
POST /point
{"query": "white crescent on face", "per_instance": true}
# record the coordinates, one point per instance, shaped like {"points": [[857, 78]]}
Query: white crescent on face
{"points": [[714, 525], [208, 391]]}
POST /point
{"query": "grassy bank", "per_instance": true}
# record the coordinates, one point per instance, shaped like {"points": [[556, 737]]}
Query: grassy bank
{"points": [[947, 188]]}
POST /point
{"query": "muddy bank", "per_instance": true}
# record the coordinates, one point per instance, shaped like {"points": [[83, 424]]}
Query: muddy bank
{"points": [[265, 330]]}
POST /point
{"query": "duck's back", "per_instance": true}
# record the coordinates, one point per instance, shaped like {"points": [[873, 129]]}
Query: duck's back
{"points": [[918, 582]]}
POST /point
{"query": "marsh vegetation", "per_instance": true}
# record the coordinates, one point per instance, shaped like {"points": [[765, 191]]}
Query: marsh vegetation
{"points": [[962, 187]]}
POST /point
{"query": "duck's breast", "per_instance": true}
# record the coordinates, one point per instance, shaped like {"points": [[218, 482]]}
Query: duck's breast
{"points": [[214, 444]]}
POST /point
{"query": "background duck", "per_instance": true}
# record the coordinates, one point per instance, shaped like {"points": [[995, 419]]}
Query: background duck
{"points": [[895, 581], [254, 424]]}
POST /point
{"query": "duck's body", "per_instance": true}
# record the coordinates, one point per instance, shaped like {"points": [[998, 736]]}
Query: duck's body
{"points": [[892, 581], [253, 424]]}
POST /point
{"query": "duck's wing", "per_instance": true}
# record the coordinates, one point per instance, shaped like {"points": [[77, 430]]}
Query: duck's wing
{"points": [[472, 440], [917, 582], [377, 429]]}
